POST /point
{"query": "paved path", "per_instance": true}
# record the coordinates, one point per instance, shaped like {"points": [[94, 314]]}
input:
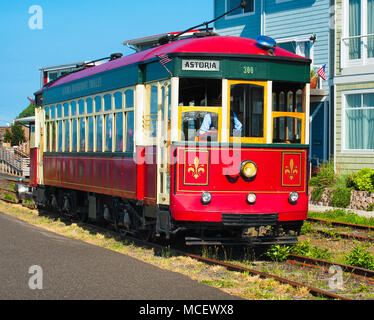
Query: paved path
{"points": [[73, 269]]}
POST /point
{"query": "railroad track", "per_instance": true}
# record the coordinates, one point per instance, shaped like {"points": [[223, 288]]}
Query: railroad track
{"points": [[344, 235], [312, 262], [341, 224]]}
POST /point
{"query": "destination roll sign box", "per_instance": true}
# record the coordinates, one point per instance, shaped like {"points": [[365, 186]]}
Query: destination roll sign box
{"points": [[200, 65]]}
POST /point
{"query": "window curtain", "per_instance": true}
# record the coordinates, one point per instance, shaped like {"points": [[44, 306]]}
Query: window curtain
{"points": [[370, 18], [354, 29], [359, 127]]}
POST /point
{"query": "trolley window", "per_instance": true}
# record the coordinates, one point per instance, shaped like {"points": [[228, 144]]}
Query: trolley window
{"points": [[200, 109], [67, 136], [288, 112], [247, 111]]}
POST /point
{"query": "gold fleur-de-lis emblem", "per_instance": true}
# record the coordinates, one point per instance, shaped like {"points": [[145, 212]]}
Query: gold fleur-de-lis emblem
{"points": [[196, 169], [291, 170]]}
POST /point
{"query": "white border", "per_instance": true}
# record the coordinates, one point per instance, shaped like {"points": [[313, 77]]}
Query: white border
{"points": [[343, 102], [235, 16]]}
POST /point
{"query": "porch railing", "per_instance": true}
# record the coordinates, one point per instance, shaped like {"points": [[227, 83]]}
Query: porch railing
{"points": [[357, 50]]}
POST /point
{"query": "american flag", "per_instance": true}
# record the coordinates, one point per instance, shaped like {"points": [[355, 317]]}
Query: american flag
{"points": [[321, 72], [164, 59]]}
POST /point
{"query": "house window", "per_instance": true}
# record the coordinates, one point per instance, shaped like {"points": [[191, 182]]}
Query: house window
{"points": [[359, 121], [358, 41], [231, 4], [301, 48]]}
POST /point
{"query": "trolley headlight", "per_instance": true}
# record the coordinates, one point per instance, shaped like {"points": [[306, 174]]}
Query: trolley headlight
{"points": [[251, 198], [293, 197], [248, 169], [206, 197]]}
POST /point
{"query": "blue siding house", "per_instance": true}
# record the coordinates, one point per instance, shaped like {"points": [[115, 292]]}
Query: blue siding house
{"points": [[299, 26]]}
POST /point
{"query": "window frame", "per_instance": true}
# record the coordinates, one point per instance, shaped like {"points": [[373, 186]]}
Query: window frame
{"points": [[344, 42], [343, 126], [262, 139], [244, 14], [53, 122]]}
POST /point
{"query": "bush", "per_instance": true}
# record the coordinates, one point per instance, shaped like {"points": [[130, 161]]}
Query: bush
{"points": [[306, 249], [317, 193], [364, 180], [324, 178], [341, 197], [279, 252], [360, 257], [326, 175]]}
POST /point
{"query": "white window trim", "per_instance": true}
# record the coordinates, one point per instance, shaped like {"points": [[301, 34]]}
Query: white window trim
{"points": [[344, 51], [282, 1], [299, 40], [242, 14], [343, 149]]}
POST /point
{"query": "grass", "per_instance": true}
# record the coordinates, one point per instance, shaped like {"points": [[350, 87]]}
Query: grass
{"points": [[342, 216]]}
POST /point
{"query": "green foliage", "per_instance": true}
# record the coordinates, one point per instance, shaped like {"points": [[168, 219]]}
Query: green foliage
{"points": [[341, 197], [360, 257], [361, 288], [364, 180], [324, 178], [326, 175], [9, 197], [342, 216], [306, 228], [28, 112], [279, 252], [304, 248], [8, 136], [17, 135], [317, 193]]}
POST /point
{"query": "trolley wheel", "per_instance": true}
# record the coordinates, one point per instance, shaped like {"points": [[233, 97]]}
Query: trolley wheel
{"points": [[83, 216]]}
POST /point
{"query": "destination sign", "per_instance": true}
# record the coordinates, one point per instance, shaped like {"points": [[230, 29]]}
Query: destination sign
{"points": [[200, 65]]}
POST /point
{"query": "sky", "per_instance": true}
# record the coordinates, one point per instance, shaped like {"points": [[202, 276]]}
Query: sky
{"points": [[77, 30]]}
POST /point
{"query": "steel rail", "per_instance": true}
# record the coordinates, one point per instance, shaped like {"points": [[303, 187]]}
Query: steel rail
{"points": [[368, 274], [341, 224], [344, 235], [261, 274]]}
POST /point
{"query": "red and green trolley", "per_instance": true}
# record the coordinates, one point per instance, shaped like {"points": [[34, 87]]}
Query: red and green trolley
{"points": [[205, 137]]}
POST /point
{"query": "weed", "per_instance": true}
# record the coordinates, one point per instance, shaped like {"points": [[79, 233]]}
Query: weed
{"points": [[306, 228], [279, 252], [342, 216], [304, 248], [340, 197], [9, 197], [218, 283], [360, 257], [362, 287]]}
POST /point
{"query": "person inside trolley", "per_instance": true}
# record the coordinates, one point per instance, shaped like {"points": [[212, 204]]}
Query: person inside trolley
{"points": [[209, 127]]}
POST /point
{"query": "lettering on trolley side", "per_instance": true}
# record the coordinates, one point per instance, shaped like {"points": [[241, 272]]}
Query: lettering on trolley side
{"points": [[248, 70], [200, 65]]}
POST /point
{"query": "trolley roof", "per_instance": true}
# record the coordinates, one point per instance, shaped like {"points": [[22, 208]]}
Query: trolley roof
{"points": [[232, 53], [216, 45]]}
